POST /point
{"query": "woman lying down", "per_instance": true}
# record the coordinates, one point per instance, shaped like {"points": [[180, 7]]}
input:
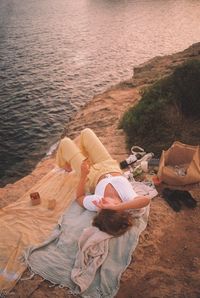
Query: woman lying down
{"points": [[112, 194]]}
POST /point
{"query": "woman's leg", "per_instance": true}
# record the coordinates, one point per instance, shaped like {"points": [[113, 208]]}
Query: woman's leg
{"points": [[92, 147], [69, 153], [89, 146]]}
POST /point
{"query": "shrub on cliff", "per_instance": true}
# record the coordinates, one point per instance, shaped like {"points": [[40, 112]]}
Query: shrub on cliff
{"points": [[169, 110]]}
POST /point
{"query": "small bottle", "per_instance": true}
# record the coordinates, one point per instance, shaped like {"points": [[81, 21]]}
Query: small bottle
{"points": [[130, 160], [151, 164], [154, 162]]}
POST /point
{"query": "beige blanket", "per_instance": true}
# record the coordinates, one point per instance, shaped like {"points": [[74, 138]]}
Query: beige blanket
{"points": [[22, 224], [93, 249]]}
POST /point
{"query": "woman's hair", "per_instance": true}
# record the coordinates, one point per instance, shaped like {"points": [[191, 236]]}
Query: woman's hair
{"points": [[113, 222]]}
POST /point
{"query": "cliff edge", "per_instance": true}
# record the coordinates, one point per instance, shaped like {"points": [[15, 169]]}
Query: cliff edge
{"points": [[166, 262]]}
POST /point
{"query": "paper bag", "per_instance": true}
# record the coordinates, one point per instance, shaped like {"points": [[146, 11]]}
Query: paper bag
{"points": [[180, 164]]}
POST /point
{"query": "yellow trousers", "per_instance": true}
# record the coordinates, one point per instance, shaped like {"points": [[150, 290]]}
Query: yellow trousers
{"points": [[89, 147]]}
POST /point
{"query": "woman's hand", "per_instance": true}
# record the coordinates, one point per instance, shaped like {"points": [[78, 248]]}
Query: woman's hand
{"points": [[85, 168], [110, 203], [67, 167], [107, 203]]}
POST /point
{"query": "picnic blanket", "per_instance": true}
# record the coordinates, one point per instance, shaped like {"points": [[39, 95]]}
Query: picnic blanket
{"points": [[56, 259], [22, 224]]}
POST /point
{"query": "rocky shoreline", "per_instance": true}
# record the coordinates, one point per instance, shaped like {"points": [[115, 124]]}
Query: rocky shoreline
{"points": [[102, 114], [170, 238]]}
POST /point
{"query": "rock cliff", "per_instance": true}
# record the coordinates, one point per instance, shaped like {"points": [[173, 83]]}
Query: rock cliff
{"points": [[166, 262], [102, 114]]}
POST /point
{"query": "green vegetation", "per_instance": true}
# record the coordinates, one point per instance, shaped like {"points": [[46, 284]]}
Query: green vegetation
{"points": [[169, 110]]}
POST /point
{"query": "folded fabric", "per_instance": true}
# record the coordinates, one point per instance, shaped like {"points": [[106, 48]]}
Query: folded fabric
{"points": [[59, 259], [142, 189], [93, 250]]}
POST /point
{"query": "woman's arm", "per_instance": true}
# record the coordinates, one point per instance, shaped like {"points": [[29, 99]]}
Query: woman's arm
{"points": [[80, 192], [136, 203]]}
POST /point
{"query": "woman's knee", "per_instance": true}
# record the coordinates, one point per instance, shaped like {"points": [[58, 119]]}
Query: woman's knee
{"points": [[87, 131], [87, 135], [65, 142]]}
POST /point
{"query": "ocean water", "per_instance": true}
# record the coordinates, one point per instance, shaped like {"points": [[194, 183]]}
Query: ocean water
{"points": [[56, 55]]}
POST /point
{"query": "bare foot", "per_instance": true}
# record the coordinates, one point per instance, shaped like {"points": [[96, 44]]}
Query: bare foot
{"points": [[67, 167]]}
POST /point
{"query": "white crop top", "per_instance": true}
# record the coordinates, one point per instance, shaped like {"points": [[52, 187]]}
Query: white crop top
{"points": [[120, 184]]}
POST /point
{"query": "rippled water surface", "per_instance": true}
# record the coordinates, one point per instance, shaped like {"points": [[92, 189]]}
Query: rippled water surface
{"points": [[56, 55]]}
